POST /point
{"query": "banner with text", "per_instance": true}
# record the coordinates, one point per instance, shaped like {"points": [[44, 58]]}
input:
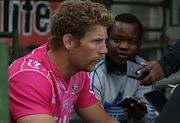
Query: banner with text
{"points": [[30, 18]]}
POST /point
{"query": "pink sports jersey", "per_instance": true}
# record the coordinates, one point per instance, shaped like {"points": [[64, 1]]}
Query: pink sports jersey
{"points": [[36, 87]]}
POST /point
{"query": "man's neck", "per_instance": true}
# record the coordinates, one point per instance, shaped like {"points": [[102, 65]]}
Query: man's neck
{"points": [[59, 60], [120, 68]]}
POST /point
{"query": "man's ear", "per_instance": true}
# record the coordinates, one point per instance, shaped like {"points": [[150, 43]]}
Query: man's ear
{"points": [[67, 41]]}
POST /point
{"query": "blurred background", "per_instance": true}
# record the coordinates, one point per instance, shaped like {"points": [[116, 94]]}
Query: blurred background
{"points": [[24, 25]]}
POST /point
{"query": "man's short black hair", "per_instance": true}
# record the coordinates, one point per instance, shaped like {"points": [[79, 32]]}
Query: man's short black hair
{"points": [[127, 18]]}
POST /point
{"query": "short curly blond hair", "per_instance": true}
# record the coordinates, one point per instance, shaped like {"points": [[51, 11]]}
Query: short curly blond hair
{"points": [[76, 17]]}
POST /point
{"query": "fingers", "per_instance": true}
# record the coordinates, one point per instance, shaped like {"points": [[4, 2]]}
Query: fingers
{"points": [[142, 106], [147, 68], [156, 113], [149, 80], [146, 63], [142, 70], [156, 73], [137, 111]]}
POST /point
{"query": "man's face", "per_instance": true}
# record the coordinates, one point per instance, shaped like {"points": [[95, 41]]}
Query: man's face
{"points": [[123, 42], [91, 48]]}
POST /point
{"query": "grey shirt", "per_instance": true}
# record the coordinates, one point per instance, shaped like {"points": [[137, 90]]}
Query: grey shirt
{"points": [[111, 86]]}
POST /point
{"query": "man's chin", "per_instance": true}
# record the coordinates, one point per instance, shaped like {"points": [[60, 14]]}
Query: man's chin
{"points": [[122, 62], [90, 69]]}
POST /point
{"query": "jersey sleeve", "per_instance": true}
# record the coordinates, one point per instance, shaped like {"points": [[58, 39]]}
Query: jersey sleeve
{"points": [[30, 92], [86, 96]]}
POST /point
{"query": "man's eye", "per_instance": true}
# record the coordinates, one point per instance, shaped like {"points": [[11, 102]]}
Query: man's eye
{"points": [[117, 40], [133, 42], [97, 41]]}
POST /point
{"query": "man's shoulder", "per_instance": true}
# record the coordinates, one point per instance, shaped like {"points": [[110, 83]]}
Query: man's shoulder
{"points": [[26, 64], [34, 61]]}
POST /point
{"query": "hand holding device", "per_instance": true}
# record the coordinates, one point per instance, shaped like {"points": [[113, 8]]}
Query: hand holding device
{"points": [[125, 103], [138, 111], [132, 69]]}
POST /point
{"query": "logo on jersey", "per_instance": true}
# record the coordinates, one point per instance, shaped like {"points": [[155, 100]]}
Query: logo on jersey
{"points": [[113, 110], [74, 88], [33, 63]]}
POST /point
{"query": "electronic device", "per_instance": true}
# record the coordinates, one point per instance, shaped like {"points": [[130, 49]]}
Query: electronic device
{"points": [[125, 103], [156, 98], [170, 112], [132, 69]]}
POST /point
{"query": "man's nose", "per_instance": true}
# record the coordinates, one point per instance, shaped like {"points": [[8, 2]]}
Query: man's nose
{"points": [[124, 45], [103, 49]]}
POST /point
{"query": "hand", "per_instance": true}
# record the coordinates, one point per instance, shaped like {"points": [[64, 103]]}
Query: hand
{"points": [[156, 113], [156, 73], [137, 111]]}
